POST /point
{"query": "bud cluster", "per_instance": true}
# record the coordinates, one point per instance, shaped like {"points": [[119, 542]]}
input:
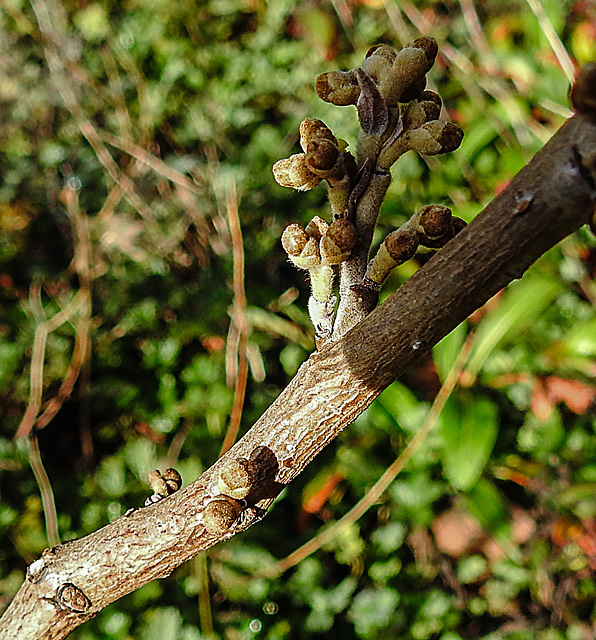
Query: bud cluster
{"points": [[324, 157], [432, 226], [396, 114]]}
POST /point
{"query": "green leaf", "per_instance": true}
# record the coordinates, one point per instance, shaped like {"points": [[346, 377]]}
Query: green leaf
{"points": [[522, 303], [469, 429]]}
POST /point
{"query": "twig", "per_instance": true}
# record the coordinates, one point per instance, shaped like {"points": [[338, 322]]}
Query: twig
{"points": [[373, 495], [37, 358], [45, 489], [553, 39], [239, 320]]}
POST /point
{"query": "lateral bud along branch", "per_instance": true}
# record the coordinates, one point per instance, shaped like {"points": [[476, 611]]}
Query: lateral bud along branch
{"points": [[396, 114]]}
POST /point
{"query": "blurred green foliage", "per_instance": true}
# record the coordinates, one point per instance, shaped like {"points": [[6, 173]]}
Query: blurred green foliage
{"points": [[490, 531]]}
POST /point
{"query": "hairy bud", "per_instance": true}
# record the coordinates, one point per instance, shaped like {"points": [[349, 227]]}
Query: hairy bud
{"points": [[338, 87]]}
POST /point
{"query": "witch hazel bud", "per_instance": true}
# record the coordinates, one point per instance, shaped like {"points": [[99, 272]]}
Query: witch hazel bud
{"points": [[302, 250], [337, 244], [321, 155], [338, 87], [435, 137], [313, 128], [435, 220], [398, 247], [294, 172]]}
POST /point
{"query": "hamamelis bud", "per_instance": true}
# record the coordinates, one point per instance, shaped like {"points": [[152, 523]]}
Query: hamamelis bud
{"points": [[317, 228], [294, 172], [435, 220], [435, 137], [173, 480], [315, 129], [336, 245], [236, 478], [321, 155], [338, 87], [294, 239], [219, 514], [398, 247]]}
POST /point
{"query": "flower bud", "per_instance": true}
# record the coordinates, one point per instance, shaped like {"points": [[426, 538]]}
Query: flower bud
{"points": [[435, 137], [401, 245], [313, 128], [338, 87], [236, 478], [321, 155], [294, 239], [173, 480], [294, 172], [219, 514], [383, 51], [435, 220], [430, 48], [398, 247], [317, 228], [336, 245]]}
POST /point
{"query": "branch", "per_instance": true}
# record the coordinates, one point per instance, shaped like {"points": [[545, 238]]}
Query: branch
{"points": [[549, 199]]}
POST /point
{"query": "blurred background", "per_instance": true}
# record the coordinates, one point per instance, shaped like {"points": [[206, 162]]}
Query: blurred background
{"points": [[148, 314]]}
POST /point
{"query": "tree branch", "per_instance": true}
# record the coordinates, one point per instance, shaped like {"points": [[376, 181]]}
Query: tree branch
{"points": [[549, 199]]}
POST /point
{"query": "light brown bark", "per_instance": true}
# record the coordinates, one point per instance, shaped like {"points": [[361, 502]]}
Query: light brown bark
{"points": [[549, 199]]}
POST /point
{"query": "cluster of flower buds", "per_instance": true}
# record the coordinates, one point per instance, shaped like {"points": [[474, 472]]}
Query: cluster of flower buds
{"points": [[324, 157], [163, 485], [396, 113], [432, 226], [318, 248]]}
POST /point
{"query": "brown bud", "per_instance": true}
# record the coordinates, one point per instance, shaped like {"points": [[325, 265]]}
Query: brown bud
{"points": [[429, 46], [431, 96], [435, 220], [338, 87], [157, 483], [294, 239], [401, 245], [294, 172], [317, 228], [313, 128], [173, 480], [382, 50], [336, 245], [220, 513], [236, 478], [447, 135], [321, 155], [432, 110]]}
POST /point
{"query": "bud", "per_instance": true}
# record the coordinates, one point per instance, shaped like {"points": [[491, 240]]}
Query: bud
{"points": [[338, 87], [383, 51], [294, 172], [398, 247], [336, 245], [236, 478], [313, 128], [435, 220], [401, 245], [173, 480], [294, 239], [219, 514], [321, 155], [317, 228]]}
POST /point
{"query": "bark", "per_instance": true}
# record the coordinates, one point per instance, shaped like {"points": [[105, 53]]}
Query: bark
{"points": [[549, 199]]}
